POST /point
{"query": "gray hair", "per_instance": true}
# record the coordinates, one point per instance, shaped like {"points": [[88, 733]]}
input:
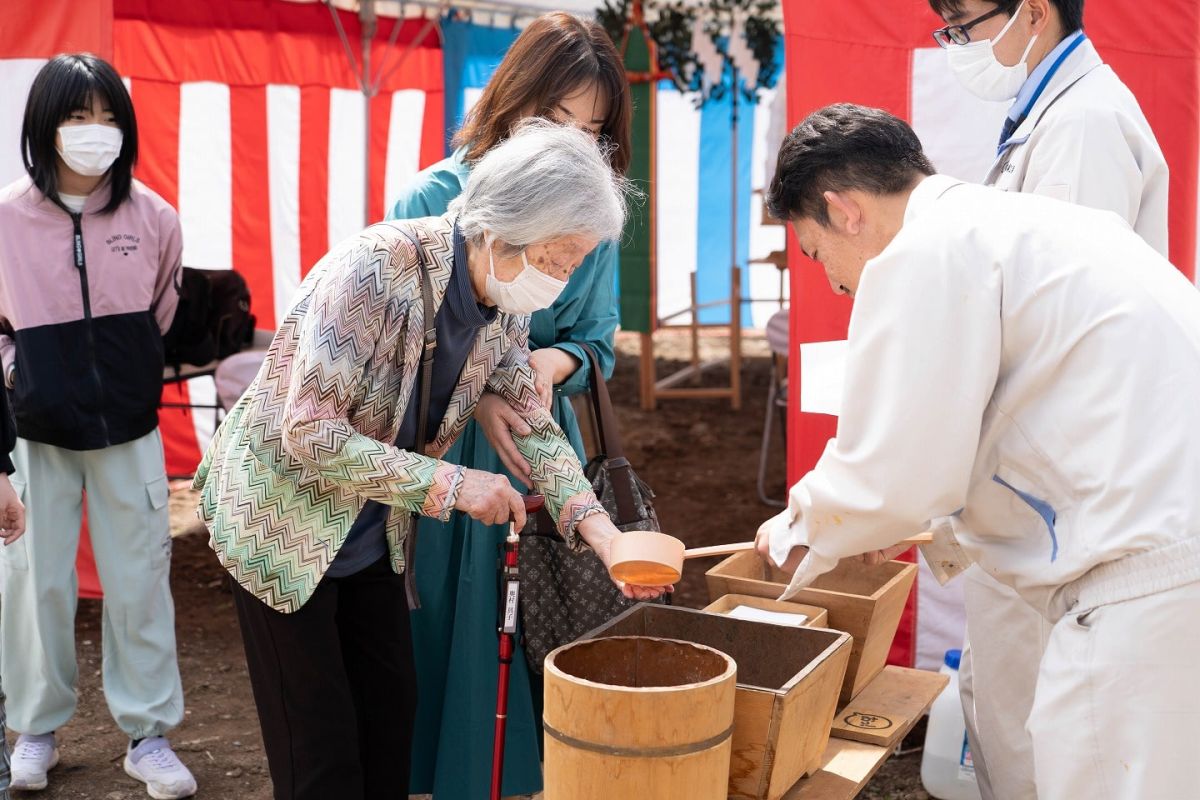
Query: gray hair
{"points": [[543, 182]]}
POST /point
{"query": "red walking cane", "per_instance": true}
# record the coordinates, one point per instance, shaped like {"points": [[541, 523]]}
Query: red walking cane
{"points": [[511, 582]]}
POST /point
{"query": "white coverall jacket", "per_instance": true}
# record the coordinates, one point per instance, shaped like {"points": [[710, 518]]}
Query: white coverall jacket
{"points": [[1035, 367], [1085, 141]]}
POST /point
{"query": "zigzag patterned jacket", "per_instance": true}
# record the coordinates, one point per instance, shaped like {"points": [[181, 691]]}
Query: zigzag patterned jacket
{"points": [[312, 438]]}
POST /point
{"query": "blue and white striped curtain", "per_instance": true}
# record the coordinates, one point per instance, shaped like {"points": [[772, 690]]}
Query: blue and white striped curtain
{"points": [[470, 54]]}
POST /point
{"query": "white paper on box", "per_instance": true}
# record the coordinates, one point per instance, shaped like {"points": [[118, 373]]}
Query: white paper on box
{"points": [[763, 615], [822, 375]]}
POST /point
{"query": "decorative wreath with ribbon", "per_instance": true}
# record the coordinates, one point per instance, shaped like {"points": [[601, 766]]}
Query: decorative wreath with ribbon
{"points": [[704, 45]]}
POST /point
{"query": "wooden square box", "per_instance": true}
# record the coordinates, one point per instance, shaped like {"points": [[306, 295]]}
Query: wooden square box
{"points": [[787, 687], [865, 602]]}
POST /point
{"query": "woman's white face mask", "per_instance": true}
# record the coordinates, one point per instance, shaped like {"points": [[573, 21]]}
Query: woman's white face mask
{"points": [[532, 290], [977, 68], [90, 149]]}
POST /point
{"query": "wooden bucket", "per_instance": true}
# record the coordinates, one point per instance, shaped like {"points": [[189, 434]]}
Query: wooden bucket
{"points": [[638, 717]]}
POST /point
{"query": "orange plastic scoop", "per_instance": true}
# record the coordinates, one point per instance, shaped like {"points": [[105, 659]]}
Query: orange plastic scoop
{"points": [[649, 558]]}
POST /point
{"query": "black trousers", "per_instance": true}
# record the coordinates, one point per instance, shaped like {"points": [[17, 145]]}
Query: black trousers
{"points": [[335, 687]]}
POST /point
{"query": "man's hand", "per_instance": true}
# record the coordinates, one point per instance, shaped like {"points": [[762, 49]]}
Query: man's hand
{"points": [[12, 513], [762, 545], [876, 557], [500, 422], [551, 366], [598, 531], [490, 499]]}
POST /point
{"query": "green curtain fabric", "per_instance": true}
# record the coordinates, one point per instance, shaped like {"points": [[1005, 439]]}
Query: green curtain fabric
{"points": [[637, 244]]}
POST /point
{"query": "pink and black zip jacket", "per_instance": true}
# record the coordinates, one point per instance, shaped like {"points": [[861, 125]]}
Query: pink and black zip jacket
{"points": [[84, 301]]}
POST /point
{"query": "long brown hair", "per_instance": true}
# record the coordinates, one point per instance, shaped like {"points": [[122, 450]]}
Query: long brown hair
{"points": [[552, 59]]}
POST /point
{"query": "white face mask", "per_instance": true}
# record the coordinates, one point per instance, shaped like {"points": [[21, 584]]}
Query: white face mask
{"points": [[90, 149], [976, 67], [532, 290]]}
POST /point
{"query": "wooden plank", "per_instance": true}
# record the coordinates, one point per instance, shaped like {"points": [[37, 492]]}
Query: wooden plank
{"points": [[889, 706], [848, 765], [683, 394], [846, 769]]}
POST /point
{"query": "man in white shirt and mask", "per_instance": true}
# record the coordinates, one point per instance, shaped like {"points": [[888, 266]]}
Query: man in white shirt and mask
{"points": [[1075, 132], [1030, 370]]}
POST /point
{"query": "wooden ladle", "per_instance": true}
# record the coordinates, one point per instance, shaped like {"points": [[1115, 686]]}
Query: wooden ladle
{"points": [[649, 558]]}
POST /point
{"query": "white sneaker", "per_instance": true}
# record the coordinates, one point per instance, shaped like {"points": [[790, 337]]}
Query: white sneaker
{"points": [[32, 758], [155, 764]]}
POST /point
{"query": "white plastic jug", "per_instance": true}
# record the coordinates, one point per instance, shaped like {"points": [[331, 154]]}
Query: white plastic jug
{"points": [[947, 771]]}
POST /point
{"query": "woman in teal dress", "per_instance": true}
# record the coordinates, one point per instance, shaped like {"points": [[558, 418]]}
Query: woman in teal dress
{"points": [[567, 70]]}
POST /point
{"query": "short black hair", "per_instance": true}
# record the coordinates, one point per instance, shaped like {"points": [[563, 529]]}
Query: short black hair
{"points": [[1069, 11], [65, 84], [843, 147]]}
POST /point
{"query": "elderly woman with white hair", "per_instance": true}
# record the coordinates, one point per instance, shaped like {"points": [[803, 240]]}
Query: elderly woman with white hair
{"points": [[311, 484]]}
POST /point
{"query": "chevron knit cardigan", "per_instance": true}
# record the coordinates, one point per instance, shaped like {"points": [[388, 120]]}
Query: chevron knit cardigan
{"points": [[312, 438]]}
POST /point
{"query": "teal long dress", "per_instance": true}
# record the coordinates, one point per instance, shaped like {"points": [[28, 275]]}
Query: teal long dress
{"points": [[454, 632]]}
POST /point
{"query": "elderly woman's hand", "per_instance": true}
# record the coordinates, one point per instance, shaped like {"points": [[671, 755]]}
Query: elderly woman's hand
{"points": [[490, 498], [551, 366], [500, 422], [598, 531], [12, 513]]}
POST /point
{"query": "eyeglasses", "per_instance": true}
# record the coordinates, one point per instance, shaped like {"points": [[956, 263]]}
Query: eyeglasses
{"points": [[958, 34]]}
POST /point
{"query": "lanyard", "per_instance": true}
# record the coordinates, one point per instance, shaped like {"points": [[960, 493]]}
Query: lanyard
{"points": [[1010, 125]]}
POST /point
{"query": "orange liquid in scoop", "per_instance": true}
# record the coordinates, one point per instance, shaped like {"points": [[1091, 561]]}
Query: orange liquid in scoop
{"points": [[644, 573]]}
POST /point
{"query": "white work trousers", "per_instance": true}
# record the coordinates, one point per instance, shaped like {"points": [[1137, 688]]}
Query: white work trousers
{"points": [[129, 527], [997, 678], [1116, 710]]}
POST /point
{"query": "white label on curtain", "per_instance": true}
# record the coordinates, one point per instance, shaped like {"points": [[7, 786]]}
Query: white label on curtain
{"points": [[822, 375]]}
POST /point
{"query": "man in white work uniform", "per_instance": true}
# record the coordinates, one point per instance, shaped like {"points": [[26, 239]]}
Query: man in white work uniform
{"points": [[1028, 368], [1074, 132]]}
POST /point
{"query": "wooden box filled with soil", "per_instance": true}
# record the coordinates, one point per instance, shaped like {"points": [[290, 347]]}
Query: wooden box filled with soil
{"points": [[864, 601]]}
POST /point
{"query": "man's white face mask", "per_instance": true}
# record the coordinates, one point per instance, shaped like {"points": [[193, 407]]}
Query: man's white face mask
{"points": [[532, 290], [976, 67]]}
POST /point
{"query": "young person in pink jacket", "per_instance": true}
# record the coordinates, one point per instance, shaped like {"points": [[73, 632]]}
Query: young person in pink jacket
{"points": [[89, 270]]}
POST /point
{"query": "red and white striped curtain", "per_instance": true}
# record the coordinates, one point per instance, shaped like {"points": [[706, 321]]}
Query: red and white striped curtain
{"points": [[252, 124]]}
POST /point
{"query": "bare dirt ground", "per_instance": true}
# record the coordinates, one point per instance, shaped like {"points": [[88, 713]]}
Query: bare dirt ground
{"points": [[700, 457]]}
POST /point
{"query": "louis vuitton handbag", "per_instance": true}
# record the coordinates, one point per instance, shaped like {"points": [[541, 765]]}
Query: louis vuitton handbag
{"points": [[564, 594]]}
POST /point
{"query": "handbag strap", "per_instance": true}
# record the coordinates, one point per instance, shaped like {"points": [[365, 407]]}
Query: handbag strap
{"points": [[613, 454], [425, 389]]}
